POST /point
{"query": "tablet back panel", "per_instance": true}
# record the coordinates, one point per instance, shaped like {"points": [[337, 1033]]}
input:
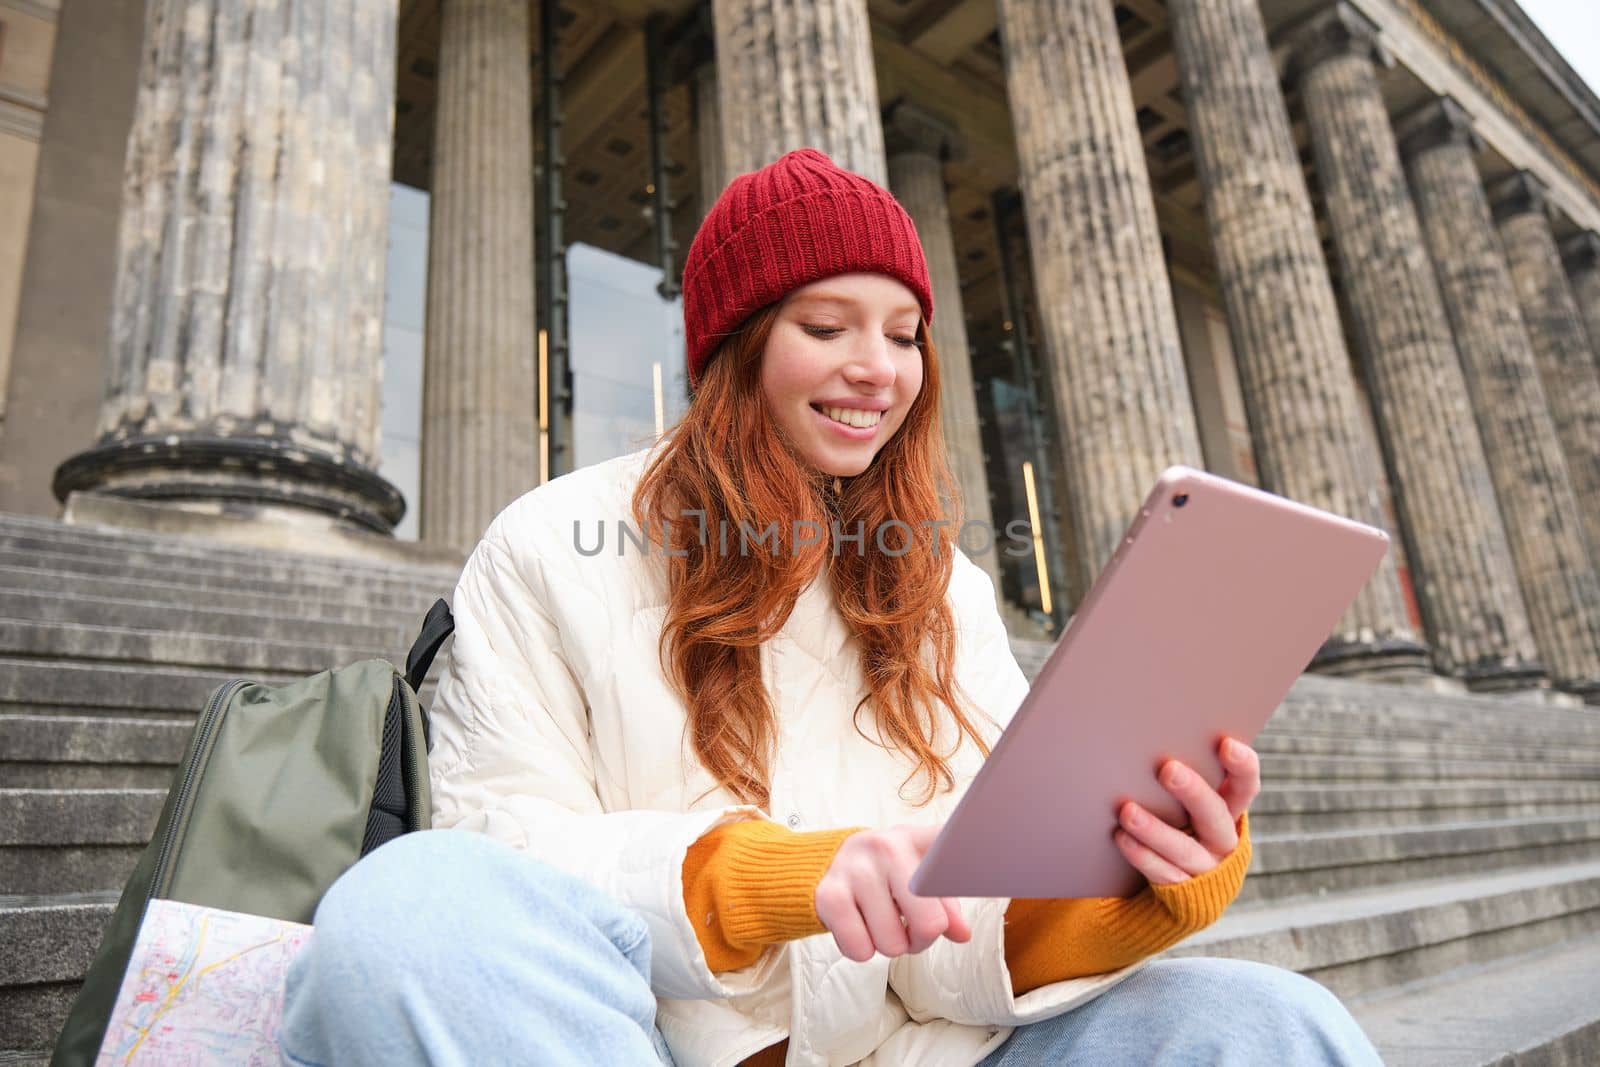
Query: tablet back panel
{"points": [[1196, 628]]}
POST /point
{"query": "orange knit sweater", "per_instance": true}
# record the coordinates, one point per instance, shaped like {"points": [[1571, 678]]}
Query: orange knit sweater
{"points": [[752, 883]]}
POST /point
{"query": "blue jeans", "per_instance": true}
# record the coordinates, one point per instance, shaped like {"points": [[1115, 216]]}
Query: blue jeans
{"points": [[446, 947]]}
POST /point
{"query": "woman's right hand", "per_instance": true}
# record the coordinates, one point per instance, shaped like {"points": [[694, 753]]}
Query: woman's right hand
{"points": [[864, 901]]}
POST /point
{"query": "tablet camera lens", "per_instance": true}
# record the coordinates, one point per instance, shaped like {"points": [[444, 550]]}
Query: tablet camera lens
{"points": [[1180, 500]]}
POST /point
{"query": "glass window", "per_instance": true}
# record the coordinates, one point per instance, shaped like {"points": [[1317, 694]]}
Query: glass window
{"points": [[621, 331], [405, 301]]}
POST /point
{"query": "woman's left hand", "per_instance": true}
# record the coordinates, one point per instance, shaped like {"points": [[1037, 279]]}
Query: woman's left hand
{"points": [[1165, 854]]}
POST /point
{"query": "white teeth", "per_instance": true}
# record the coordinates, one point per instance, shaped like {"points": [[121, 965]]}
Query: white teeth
{"points": [[853, 417]]}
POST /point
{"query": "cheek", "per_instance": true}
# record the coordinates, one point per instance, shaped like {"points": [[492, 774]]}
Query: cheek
{"points": [[785, 375], [911, 379]]}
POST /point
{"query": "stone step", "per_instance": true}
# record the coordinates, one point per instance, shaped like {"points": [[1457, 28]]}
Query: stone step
{"points": [[1334, 822], [66, 540], [84, 751], [115, 644], [199, 575], [66, 536], [1413, 723], [1289, 740], [35, 684], [143, 615], [49, 775], [1280, 798], [1539, 1007], [1361, 941], [1399, 770], [46, 946], [82, 739], [72, 840], [1300, 864], [78, 817], [70, 747], [181, 599], [21, 1057], [174, 589], [1347, 700]]}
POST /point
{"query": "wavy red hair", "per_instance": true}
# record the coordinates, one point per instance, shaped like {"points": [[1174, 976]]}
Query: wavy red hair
{"points": [[728, 457]]}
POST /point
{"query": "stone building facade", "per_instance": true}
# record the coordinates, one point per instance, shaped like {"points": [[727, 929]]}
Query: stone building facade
{"points": [[1344, 251]]}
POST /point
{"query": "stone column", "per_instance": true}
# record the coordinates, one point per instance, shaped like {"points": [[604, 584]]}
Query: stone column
{"points": [[1466, 584], [708, 135], [244, 357], [1105, 303], [479, 413], [1559, 582], [1283, 318], [1581, 255], [1560, 343], [918, 144], [797, 73]]}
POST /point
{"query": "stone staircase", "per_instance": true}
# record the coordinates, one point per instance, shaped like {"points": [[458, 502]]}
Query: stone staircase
{"points": [[110, 641], [1435, 860]]}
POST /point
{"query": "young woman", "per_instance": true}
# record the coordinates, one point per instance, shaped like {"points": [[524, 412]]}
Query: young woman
{"points": [[708, 703]]}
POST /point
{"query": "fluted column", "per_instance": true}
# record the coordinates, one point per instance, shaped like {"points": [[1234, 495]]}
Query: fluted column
{"points": [[1560, 343], [918, 144], [479, 419], [793, 74], [1581, 255], [1558, 579], [1105, 303], [1282, 315], [1476, 620], [244, 359], [708, 135]]}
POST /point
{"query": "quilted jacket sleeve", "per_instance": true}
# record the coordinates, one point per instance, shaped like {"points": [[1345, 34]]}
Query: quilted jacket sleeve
{"points": [[511, 758], [970, 982]]}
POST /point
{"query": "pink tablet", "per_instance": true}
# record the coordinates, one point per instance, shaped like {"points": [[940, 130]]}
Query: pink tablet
{"points": [[1214, 603]]}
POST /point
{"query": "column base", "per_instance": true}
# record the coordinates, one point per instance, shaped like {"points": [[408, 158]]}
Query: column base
{"points": [[1576, 693], [1518, 676], [263, 471], [1397, 660]]}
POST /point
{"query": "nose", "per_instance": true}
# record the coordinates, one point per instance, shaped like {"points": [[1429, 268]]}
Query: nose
{"points": [[872, 363]]}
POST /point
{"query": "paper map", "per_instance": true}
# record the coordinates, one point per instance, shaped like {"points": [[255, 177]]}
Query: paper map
{"points": [[204, 986]]}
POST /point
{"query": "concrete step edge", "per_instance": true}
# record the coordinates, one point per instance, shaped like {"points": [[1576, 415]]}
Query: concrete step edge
{"points": [[1297, 916], [203, 579], [132, 646], [264, 563], [87, 533], [41, 818], [32, 578], [1500, 1012]]}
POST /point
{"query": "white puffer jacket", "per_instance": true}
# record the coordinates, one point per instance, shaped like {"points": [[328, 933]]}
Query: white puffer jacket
{"points": [[555, 730]]}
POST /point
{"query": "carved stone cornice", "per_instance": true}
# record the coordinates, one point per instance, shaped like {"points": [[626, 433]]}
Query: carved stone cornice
{"points": [[1438, 122], [1337, 30], [1519, 194], [908, 126]]}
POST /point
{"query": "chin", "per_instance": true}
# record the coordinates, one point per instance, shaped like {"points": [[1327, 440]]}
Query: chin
{"points": [[843, 467]]}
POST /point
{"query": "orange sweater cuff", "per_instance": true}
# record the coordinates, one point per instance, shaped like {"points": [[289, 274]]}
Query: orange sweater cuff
{"points": [[1050, 940], [753, 883]]}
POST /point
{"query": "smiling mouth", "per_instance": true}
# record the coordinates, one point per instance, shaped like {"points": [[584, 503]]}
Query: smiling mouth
{"points": [[851, 417]]}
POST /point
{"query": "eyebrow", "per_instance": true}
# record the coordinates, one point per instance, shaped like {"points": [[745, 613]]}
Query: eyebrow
{"points": [[833, 298]]}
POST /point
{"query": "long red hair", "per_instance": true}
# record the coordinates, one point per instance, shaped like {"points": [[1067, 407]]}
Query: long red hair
{"points": [[728, 457]]}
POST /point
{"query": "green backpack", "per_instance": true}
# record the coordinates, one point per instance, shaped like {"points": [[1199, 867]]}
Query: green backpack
{"points": [[280, 790]]}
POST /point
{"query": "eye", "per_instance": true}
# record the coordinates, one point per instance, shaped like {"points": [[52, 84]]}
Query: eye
{"points": [[825, 332]]}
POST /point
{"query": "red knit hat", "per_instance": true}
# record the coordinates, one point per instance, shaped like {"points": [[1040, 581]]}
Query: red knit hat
{"points": [[793, 222]]}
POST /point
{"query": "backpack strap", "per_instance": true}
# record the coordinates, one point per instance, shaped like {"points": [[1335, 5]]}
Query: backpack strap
{"points": [[436, 626]]}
